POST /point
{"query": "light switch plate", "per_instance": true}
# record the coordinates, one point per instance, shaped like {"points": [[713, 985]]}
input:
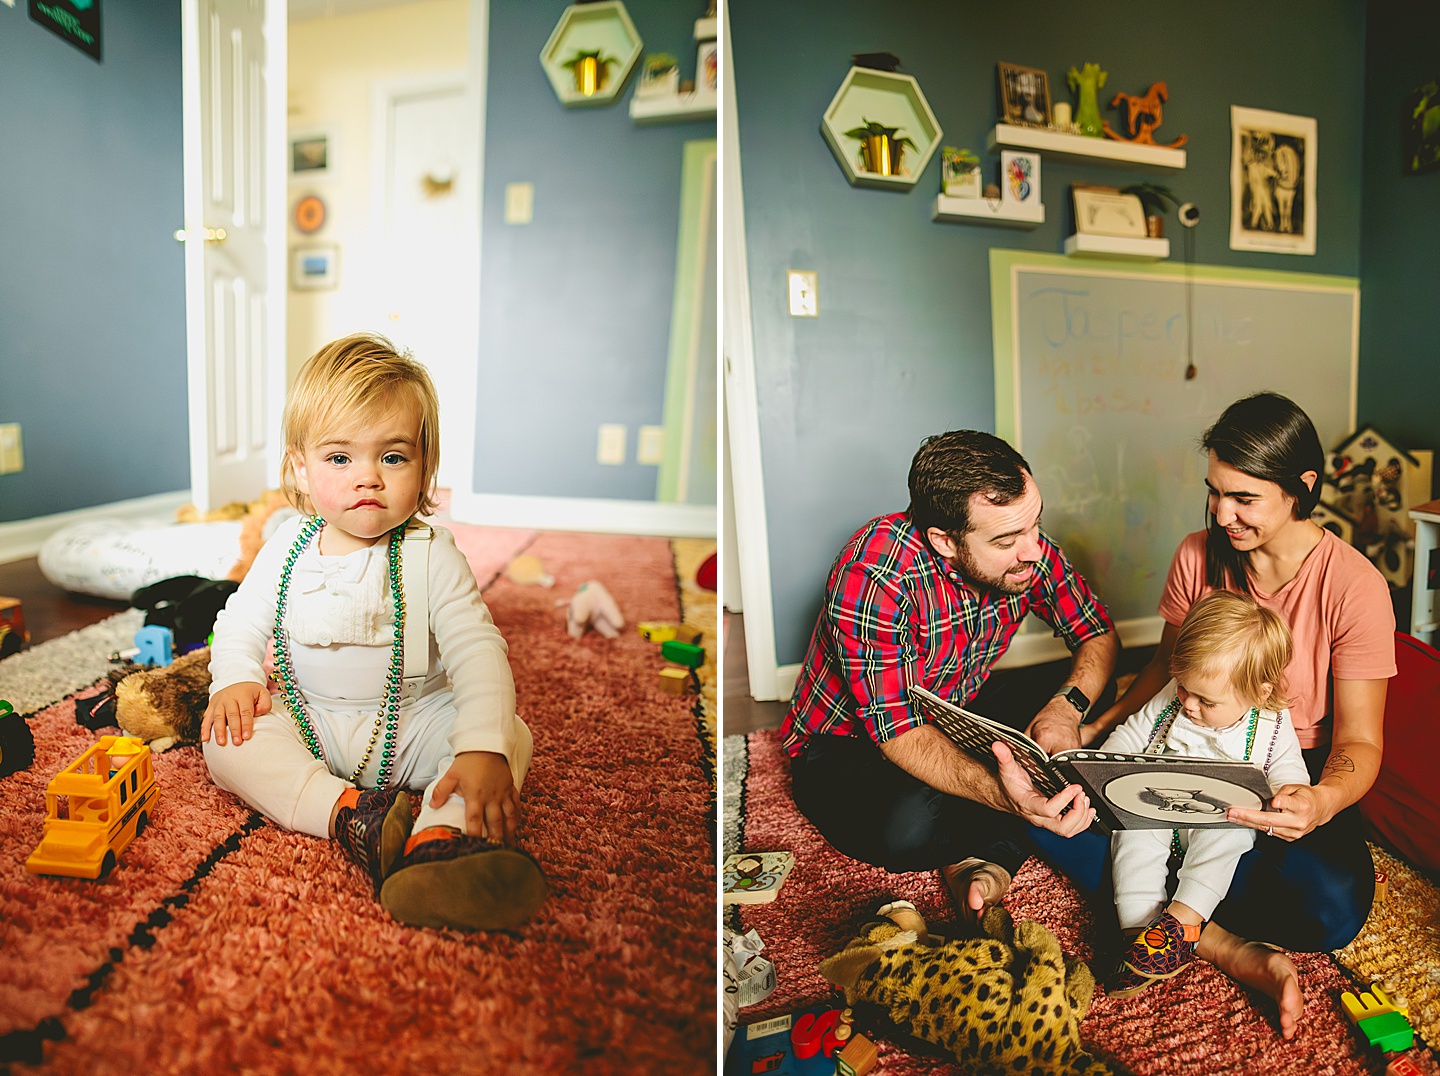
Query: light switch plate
{"points": [[803, 288], [12, 459], [650, 444], [611, 449], [519, 203]]}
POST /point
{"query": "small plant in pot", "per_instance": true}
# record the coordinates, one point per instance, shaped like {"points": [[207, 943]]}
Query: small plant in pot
{"points": [[881, 147], [590, 70], [1157, 201]]}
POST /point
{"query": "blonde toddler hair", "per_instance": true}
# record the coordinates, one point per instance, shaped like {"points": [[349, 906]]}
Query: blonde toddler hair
{"points": [[359, 376], [1227, 632]]}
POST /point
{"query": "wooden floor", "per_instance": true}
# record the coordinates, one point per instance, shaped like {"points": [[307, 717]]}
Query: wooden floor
{"points": [[49, 611]]}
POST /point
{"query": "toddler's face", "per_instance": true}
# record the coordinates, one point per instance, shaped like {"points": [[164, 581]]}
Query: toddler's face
{"points": [[1210, 699], [363, 478]]}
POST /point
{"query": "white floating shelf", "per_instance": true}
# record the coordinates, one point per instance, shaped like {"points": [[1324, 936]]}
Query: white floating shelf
{"points": [[673, 109], [1069, 147], [987, 211], [1115, 246], [705, 29]]}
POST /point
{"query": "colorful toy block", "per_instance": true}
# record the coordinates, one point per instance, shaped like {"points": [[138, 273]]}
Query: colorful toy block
{"points": [[674, 681], [858, 1057], [689, 633], [12, 616], [656, 631], [1390, 1031], [1374, 1003], [683, 653], [1382, 887], [1403, 1065], [155, 645]]}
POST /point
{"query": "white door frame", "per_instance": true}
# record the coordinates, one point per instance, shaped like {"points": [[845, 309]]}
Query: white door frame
{"points": [[272, 149], [767, 680], [457, 430]]}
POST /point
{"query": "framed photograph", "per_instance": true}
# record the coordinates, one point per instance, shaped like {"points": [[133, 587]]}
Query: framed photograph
{"points": [[707, 69], [1024, 95], [1421, 124], [315, 268], [1105, 211], [1019, 178], [1272, 181], [312, 154]]}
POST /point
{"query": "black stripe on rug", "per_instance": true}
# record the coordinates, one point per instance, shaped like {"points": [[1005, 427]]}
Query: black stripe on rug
{"points": [[28, 1046]]}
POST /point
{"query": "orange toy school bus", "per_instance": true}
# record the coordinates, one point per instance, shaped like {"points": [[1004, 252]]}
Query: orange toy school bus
{"points": [[94, 808]]}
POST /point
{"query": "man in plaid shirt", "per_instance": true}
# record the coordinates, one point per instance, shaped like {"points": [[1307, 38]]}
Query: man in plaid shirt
{"points": [[932, 597]]}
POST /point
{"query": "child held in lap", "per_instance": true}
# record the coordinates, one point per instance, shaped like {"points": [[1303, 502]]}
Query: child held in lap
{"points": [[1226, 701], [367, 698]]}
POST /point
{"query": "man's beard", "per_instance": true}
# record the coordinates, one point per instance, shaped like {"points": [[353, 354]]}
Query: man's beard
{"points": [[1004, 584]]}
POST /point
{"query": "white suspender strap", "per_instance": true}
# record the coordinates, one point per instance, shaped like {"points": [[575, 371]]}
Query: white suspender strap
{"points": [[415, 585]]}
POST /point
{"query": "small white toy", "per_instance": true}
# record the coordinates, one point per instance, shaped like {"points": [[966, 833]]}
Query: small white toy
{"points": [[593, 607]]}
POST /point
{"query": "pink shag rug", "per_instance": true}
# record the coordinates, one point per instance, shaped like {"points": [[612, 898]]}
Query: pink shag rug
{"points": [[221, 943], [1198, 1024]]}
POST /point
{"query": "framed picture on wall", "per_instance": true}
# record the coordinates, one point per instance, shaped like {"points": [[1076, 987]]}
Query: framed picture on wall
{"points": [[707, 69], [312, 154], [1105, 211], [1024, 95], [1272, 181], [315, 268]]}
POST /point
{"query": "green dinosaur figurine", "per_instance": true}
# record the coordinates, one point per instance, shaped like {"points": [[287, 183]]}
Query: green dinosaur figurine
{"points": [[1087, 82]]}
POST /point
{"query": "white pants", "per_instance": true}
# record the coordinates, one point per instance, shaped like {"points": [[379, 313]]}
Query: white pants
{"points": [[1138, 866], [275, 773]]}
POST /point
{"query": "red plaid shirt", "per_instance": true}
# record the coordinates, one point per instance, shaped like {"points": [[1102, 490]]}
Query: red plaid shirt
{"points": [[896, 615]]}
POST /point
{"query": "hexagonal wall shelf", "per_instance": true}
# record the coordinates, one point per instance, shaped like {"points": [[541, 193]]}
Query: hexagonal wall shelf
{"points": [[604, 29], [884, 97]]}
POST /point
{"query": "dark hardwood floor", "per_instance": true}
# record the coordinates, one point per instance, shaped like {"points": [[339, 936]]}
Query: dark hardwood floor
{"points": [[49, 611]]}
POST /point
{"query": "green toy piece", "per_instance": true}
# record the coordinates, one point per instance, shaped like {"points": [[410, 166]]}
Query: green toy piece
{"points": [[1390, 1031], [683, 653], [1087, 82]]}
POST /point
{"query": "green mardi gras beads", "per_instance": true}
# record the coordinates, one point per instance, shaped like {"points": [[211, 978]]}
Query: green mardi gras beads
{"points": [[388, 717]]}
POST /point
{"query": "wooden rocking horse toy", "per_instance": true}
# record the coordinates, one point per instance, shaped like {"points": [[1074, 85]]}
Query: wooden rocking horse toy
{"points": [[1142, 116]]}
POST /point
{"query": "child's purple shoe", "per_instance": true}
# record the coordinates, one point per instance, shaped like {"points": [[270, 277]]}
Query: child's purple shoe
{"points": [[374, 831], [1163, 949], [451, 880]]}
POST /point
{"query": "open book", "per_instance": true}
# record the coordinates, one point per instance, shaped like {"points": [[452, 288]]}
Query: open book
{"points": [[1128, 791]]}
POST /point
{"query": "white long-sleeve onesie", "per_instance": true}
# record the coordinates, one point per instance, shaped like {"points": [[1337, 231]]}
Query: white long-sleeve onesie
{"points": [[340, 620], [1139, 857]]}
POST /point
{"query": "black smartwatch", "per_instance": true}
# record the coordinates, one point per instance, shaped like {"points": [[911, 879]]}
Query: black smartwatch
{"points": [[1076, 698]]}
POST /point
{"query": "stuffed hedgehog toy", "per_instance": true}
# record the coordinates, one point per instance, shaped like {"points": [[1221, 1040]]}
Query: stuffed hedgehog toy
{"points": [[1005, 1003], [162, 706]]}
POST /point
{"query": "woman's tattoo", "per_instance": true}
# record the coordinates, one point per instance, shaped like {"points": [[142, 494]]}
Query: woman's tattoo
{"points": [[1341, 764]]}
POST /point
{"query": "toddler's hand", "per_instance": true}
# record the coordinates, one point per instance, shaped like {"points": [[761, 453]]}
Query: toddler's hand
{"points": [[235, 708], [492, 802]]}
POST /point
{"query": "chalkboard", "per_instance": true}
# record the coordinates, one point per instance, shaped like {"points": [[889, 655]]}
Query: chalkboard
{"points": [[1090, 386]]}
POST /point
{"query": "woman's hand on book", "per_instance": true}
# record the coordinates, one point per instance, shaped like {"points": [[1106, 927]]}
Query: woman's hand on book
{"points": [[1066, 814], [1298, 810]]}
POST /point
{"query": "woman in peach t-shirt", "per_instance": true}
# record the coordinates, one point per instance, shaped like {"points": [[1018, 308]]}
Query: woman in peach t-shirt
{"points": [[1309, 881]]}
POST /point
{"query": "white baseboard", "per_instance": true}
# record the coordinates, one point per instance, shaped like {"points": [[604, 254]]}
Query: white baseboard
{"points": [[585, 514], [24, 537], [1025, 649]]}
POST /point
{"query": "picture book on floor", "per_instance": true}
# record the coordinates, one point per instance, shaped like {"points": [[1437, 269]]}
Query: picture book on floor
{"points": [[755, 877], [1128, 791]]}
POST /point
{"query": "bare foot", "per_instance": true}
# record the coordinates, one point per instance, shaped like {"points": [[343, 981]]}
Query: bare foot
{"points": [[1258, 966], [976, 885]]}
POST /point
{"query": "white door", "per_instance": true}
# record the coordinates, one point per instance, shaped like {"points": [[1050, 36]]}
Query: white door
{"points": [[429, 281], [228, 208]]}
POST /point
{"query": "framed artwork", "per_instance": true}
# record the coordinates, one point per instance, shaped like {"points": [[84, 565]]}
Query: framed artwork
{"points": [[1019, 178], [1024, 95], [308, 214], [312, 154], [1273, 159], [707, 68], [1105, 211], [315, 268], [1421, 124]]}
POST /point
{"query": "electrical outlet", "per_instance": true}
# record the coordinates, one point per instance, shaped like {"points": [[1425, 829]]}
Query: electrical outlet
{"points": [[650, 444], [804, 290], [11, 457], [612, 443], [519, 203]]}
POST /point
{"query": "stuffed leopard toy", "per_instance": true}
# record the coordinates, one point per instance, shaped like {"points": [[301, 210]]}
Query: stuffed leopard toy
{"points": [[1005, 1003]]}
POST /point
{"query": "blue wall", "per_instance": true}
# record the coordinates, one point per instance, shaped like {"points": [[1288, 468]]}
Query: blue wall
{"points": [[92, 305], [1400, 256], [575, 306], [902, 348]]}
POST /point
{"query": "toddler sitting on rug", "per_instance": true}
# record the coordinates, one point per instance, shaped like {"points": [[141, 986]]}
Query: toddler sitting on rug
{"points": [[391, 673], [1226, 701]]}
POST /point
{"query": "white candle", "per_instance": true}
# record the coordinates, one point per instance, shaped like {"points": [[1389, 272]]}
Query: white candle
{"points": [[1062, 114]]}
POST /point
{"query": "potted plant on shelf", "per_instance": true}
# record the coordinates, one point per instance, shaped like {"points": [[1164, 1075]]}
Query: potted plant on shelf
{"points": [[660, 76], [881, 147], [1157, 200], [590, 70]]}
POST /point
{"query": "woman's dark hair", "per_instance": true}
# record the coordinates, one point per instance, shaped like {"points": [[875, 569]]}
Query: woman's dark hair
{"points": [[1266, 436], [950, 468]]}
